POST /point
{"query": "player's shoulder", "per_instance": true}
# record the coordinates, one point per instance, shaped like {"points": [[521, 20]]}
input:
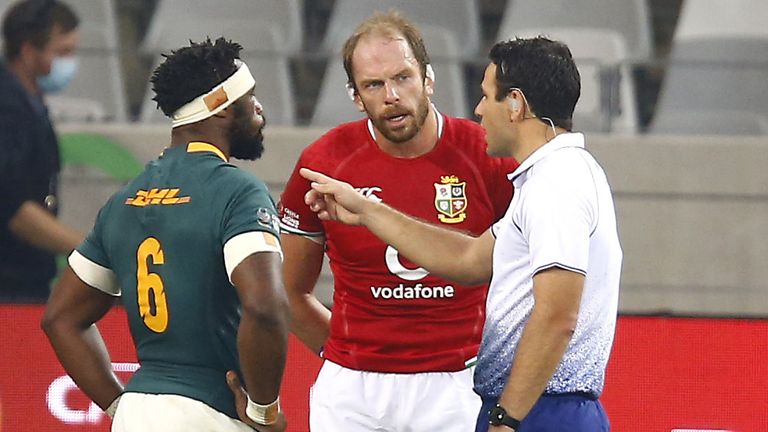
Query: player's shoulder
{"points": [[235, 179], [568, 160], [126, 194], [338, 142], [465, 137], [464, 127], [209, 168], [567, 169], [464, 133]]}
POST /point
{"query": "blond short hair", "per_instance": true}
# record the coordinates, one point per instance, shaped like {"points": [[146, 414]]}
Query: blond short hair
{"points": [[390, 24]]}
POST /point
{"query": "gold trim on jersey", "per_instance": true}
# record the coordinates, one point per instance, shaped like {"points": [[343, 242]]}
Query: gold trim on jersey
{"points": [[197, 146]]}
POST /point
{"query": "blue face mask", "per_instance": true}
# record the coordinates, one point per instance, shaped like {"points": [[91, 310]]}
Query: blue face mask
{"points": [[63, 69]]}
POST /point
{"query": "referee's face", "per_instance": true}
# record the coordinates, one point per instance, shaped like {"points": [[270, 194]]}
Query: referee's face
{"points": [[494, 115]]}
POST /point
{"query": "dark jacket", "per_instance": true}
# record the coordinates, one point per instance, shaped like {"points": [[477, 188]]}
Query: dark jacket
{"points": [[29, 169]]}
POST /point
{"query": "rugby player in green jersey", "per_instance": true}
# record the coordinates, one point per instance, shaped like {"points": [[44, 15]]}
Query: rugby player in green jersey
{"points": [[191, 246]]}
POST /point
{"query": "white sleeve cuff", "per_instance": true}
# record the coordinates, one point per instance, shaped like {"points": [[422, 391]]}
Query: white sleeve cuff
{"points": [[244, 245], [93, 274]]}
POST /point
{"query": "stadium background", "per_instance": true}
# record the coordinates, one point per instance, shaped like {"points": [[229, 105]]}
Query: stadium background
{"points": [[691, 348]]}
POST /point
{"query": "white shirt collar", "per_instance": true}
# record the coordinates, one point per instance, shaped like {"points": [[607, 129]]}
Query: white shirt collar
{"points": [[568, 139]]}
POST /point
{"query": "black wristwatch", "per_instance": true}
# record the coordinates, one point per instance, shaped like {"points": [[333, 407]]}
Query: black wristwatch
{"points": [[499, 417]]}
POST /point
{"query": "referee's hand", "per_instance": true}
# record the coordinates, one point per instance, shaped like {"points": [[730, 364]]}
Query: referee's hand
{"points": [[241, 401], [334, 200]]}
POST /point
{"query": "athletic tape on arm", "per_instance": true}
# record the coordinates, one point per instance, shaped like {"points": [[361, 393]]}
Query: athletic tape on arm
{"points": [[243, 245]]}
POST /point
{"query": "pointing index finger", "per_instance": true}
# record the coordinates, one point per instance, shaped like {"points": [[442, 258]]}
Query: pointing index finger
{"points": [[313, 175]]}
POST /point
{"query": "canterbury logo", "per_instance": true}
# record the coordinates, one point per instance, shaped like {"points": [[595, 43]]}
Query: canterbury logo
{"points": [[157, 197]]}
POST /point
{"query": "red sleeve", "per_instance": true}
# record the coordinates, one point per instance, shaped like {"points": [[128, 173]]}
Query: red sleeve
{"points": [[295, 215]]}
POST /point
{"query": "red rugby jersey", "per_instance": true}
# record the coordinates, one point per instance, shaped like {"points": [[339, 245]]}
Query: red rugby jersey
{"points": [[389, 315]]}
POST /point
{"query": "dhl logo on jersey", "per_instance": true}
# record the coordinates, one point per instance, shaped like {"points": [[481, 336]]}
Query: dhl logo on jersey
{"points": [[156, 196]]}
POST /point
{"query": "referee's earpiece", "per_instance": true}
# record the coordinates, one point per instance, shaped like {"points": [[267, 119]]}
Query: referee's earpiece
{"points": [[514, 104]]}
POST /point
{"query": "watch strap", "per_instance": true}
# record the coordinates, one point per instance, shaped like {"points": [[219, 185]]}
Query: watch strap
{"points": [[500, 417]]}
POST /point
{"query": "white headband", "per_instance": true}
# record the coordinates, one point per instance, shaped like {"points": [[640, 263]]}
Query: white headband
{"points": [[220, 97]]}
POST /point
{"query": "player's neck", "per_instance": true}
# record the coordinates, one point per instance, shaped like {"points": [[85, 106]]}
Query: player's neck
{"points": [[421, 144], [533, 136], [183, 135]]}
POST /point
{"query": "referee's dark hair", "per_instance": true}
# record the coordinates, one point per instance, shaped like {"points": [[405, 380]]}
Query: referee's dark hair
{"points": [[32, 21], [191, 71], [544, 71]]}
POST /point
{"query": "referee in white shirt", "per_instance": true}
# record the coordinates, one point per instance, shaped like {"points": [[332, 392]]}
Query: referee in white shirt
{"points": [[554, 259]]}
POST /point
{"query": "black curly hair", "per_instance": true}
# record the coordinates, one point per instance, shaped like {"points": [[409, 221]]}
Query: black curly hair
{"points": [[191, 71], [544, 71]]}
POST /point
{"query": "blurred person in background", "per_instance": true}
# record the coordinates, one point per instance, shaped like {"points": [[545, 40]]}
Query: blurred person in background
{"points": [[39, 40], [192, 248], [553, 260], [400, 343]]}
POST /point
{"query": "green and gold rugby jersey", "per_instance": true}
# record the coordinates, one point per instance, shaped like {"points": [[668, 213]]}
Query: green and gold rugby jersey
{"points": [[162, 237]]}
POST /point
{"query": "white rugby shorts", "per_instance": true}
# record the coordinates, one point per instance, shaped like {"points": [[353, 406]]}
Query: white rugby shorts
{"points": [[141, 412], [347, 400]]}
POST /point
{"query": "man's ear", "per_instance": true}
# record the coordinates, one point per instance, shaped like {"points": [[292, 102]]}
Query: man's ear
{"points": [[27, 52], [354, 97], [429, 80], [224, 115], [429, 86], [515, 105], [359, 103]]}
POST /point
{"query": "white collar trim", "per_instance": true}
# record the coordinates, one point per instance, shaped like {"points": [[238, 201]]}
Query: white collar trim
{"points": [[440, 123]]}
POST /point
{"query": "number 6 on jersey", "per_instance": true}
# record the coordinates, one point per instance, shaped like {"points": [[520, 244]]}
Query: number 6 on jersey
{"points": [[150, 286]]}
